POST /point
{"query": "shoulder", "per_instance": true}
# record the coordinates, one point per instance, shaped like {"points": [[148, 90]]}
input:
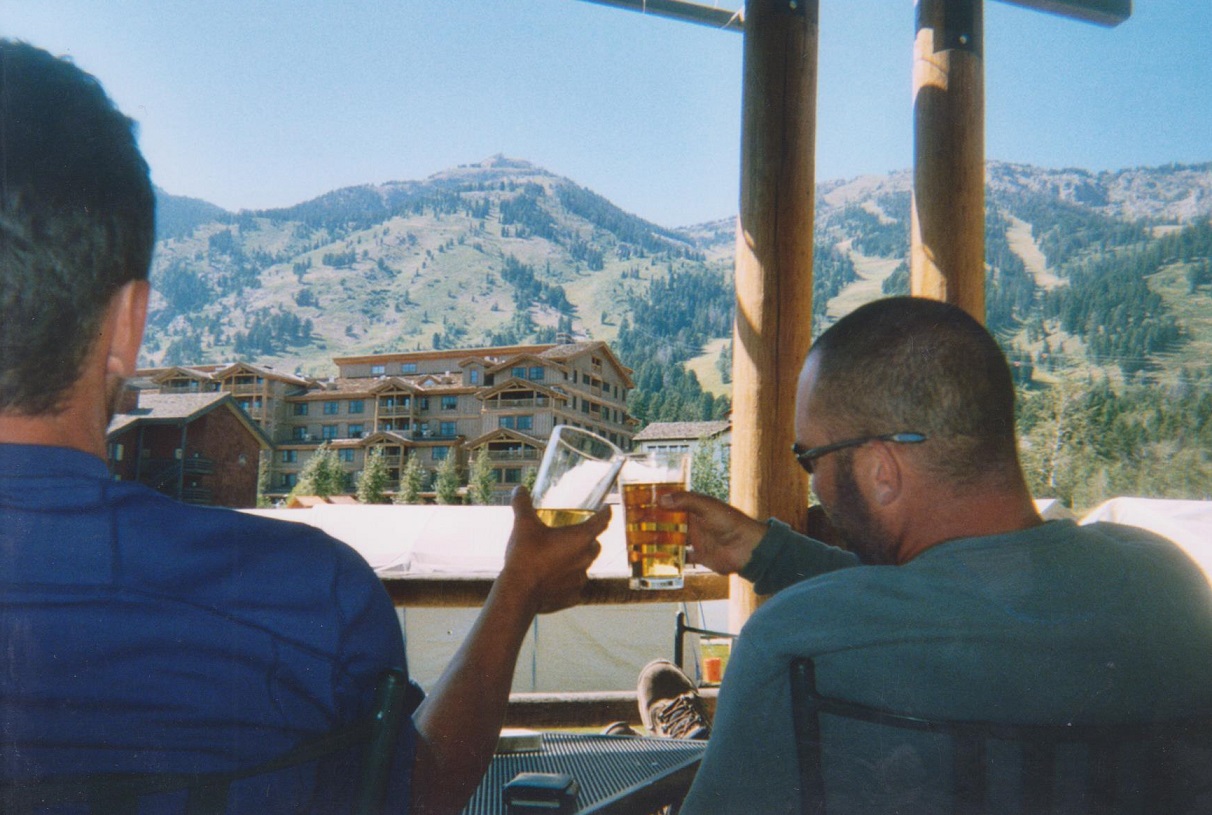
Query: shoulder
{"points": [[167, 540]]}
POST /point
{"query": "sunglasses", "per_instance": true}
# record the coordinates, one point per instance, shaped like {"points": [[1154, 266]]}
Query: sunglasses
{"points": [[806, 457]]}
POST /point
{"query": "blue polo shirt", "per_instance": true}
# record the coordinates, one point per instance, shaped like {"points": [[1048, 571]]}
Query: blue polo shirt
{"points": [[140, 634]]}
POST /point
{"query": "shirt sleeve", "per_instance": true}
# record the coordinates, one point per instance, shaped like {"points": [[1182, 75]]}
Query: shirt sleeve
{"points": [[784, 557]]}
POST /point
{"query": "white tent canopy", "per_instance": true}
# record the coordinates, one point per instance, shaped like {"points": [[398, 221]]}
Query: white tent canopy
{"points": [[1187, 523], [590, 648]]}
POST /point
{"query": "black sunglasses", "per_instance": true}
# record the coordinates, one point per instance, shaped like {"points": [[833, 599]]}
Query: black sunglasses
{"points": [[806, 457]]}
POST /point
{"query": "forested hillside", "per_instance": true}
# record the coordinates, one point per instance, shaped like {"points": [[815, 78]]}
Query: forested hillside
{"points": [[1099, 288]]}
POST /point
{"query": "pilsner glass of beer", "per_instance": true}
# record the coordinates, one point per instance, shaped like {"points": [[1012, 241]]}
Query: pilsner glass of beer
{"points": [[577, 472], [656, 537]]}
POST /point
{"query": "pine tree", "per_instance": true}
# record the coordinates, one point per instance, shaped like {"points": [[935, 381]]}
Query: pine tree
{"points": [[412, 482], [374, 478], [481, 481], [263, 479], [708, 471], [447, 484], [322, 474]]}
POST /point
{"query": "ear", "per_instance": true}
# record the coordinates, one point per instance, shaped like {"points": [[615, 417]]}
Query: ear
{"points": [[885, 476], [126, 318]]}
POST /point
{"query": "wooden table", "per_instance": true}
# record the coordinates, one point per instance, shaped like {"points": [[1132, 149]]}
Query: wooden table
{"points": [[466, 591], [617, 774]]}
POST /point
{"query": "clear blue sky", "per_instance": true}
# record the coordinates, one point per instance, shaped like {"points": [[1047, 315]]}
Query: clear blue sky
{"points": [[251, 103]]}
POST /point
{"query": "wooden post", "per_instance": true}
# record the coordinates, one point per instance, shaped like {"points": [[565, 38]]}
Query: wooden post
{"points": [[947, 258], [773, 264]]}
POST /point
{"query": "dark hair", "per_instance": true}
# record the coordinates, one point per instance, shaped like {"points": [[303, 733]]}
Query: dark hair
{"points": [[77, 221], [912, 364]]}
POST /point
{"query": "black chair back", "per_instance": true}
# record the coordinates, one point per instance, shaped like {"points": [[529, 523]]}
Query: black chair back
{"points": [[1149, 767], [207, 793]]}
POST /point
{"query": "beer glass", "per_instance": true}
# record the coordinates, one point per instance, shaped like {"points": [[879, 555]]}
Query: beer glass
{"points": [[577, 472], [656, 537]]}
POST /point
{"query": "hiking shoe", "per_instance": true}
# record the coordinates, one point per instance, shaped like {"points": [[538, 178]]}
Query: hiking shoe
{"points": [[619, 729], [670, 704]]}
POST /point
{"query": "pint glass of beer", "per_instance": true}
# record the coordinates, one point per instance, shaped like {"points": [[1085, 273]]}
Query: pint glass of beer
{"points": [[656, 537], [576, 474]]}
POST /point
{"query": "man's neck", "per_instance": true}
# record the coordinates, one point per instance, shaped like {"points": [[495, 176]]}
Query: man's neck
{"points": [[67, 428], [970, 514]]}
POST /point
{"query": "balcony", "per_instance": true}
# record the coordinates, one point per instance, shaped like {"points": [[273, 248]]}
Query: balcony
{"points": [[523, 454], [198, 465], [395, 410], [505, 404], [197, 495], [244, 388]]}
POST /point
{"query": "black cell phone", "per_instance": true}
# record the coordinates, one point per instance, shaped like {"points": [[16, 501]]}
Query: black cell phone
{"points": [[547, 793]]}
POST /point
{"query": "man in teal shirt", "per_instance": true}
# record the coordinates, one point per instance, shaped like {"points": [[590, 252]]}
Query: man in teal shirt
{"points": [[955, 600]]}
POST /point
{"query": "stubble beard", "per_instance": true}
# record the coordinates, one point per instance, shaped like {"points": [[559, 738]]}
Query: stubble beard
{"points": [[854, 521]]}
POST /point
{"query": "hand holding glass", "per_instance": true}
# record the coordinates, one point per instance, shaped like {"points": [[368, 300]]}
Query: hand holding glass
{"points": [[577, 472], [656, 537]]}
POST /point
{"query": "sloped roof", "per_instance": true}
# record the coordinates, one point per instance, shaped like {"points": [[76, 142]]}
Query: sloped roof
{"points": [[513, 383], [261, 370], [571, 350], [180, 408], [505, 434], [680, 431]]}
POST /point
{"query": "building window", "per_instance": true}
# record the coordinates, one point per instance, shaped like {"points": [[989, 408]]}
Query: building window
{"points": [[423, 403], [378, 370], [448, 429], [450, 403], [332, 408], [290, 456], [288, 480], [356, 431], [300, 408], [474, 376], [525, 423], [513, 475], [357, 406], [537, 373], [440, 453], [408, 367], [346, 454], [328, 432], [506, 421], [518, 373], [298, 433]]}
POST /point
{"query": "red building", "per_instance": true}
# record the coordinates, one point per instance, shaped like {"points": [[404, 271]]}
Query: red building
{"points": [[199, 447]]}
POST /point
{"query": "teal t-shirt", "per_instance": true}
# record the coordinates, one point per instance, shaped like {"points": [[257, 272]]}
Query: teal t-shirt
{"points": [[1056, 623]]}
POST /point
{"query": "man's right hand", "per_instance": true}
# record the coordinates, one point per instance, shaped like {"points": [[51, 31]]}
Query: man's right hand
{"points": [[548, 565], [721, 537]]}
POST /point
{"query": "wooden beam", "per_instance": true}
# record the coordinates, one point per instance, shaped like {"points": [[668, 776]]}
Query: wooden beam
{"points": [[773, 263], [461, 591], [682, 10], [947, 255], [1102, 12]]}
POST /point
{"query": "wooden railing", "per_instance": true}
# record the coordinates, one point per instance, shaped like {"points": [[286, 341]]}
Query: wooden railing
{"points": [[462, 591]]}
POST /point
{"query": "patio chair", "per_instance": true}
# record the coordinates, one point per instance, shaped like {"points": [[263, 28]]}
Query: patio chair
{"points": [[1148, 767], [207, 793]]}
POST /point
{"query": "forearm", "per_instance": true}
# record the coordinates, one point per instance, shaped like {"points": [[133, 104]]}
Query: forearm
{"points": [[461, 718], [785, 557]]}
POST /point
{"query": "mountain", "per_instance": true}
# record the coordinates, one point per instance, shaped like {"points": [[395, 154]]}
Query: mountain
{"points": [[497, 252], [1103, 269]]}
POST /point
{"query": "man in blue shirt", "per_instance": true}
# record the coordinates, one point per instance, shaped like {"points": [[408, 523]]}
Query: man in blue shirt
{"points": [[143, 635]]}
